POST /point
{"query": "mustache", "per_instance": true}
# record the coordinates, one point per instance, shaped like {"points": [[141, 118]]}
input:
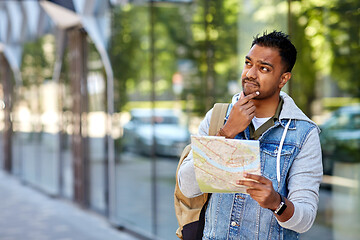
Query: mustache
{"points": [[246, 79]]}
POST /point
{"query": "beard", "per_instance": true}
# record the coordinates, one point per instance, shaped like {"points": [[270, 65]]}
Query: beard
{"points": [[249, 86]]}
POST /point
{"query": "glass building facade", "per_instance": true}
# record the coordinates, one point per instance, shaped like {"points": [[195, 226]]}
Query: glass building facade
{"points": [[97, 108]]}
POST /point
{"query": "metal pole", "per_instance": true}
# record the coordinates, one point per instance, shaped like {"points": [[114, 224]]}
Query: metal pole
{"points": [[111, 194], [60, 48]]}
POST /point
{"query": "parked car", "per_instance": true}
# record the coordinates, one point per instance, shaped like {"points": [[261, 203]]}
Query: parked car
{"points": [[170, 136], [340, 137]]}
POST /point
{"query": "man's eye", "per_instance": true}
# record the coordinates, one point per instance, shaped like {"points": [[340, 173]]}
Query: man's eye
{"points": [[247, 63], [265, 69]]}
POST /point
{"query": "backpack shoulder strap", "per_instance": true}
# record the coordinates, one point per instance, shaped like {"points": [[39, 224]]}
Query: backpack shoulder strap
{"points": [[217, 117], [188, 210]]}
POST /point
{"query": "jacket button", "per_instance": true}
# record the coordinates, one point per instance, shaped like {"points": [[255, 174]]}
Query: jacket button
{"points": [[233, 224]]}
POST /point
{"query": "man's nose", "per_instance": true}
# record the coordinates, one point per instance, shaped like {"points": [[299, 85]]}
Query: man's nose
{"points": [[251, 73]]}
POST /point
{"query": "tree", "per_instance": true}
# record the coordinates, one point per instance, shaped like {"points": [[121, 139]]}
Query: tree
{"points": [[327, 36], [203, 33]]}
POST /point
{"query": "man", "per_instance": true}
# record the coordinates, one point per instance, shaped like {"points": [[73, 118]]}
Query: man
{"points": [[282, 202]]}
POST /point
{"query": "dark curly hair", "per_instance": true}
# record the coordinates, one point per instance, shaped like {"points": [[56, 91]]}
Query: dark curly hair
{"points": [[280, 41]]}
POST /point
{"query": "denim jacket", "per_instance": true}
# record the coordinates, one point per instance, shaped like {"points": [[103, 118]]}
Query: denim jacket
{"points": [[238, 216]]}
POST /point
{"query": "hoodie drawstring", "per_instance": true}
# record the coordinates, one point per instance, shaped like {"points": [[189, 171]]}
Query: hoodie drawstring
{"points": [[279, 152]]}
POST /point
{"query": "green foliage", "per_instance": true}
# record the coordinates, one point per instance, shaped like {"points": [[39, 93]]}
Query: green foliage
{"points": [[304, 74], [345, 44], [37, 61], [215, 36], [129, 47], [327, 34], [202, 34]]}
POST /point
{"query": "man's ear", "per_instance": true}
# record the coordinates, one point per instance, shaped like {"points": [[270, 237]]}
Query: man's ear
{"points": [[285, 77]]}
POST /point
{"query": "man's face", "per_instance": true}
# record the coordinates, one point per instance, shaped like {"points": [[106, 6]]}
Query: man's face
{"points": [[264, 72]]}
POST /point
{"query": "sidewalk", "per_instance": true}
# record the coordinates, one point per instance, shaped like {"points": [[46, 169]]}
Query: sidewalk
{"points": [[26, 214]]}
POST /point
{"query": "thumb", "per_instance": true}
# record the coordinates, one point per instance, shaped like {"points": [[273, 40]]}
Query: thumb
{"points": [[241, 95]]}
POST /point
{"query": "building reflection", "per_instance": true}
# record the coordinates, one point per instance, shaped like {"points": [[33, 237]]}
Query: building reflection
{"points": [[89, 113]]}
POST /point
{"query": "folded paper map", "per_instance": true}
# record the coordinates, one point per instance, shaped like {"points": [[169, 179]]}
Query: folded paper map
{"points": [[220, 162]]}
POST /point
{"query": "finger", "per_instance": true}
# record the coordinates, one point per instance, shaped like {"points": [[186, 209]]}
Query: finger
{"points": [[244, 108], [251, 108], [255, 193], [251, 113], [258, 178], [251, 116], [244, 103], [248, 97], [250, 184]]}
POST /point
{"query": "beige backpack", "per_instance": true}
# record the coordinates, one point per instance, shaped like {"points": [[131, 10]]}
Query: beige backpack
{"points": [[190, 212]]}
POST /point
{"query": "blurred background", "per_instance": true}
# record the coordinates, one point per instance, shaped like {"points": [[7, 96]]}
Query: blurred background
{"points": [[98, 98]]}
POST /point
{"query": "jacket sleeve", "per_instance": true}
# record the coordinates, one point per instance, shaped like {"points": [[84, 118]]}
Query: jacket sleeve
{"points": [[186, 175], [304, 180]]}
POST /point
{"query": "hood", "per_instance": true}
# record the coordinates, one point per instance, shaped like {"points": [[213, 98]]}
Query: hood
{"points": [[291, 110]]}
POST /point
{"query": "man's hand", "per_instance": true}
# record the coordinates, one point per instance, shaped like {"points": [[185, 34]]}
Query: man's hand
{"points": [[261, 190], [240, 116]]}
